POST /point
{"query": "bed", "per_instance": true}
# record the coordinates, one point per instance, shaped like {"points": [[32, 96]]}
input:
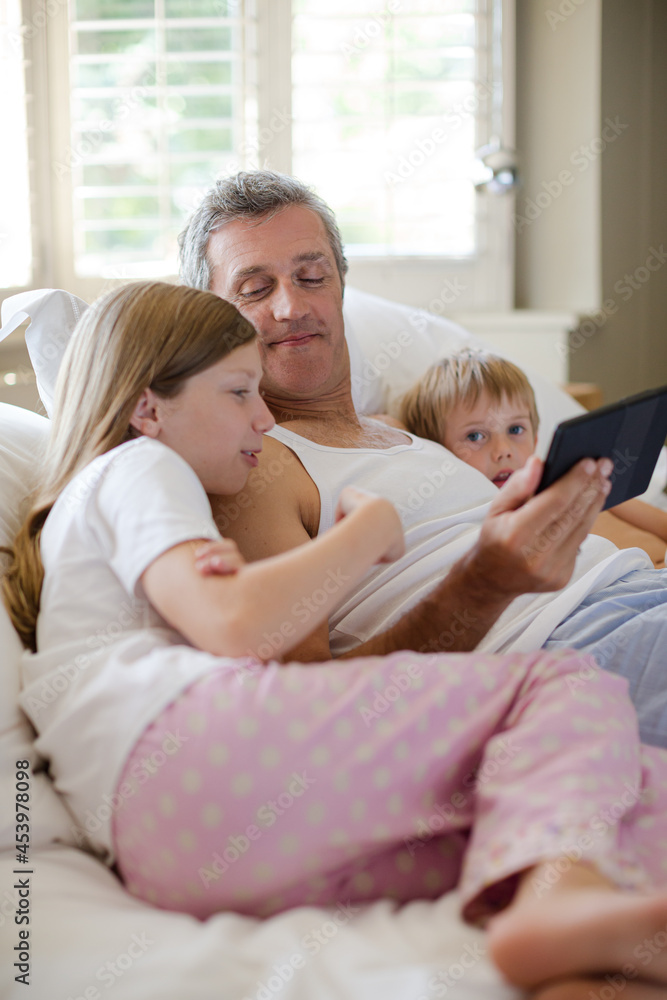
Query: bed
{"points": [[67, 926]]}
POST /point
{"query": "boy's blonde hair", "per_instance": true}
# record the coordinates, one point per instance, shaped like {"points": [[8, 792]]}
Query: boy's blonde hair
{"points": [[459, 379], [148, 334]]}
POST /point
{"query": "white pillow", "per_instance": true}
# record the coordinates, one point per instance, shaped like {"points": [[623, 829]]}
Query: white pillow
{"points": [[22, 435], [398, 343], [390, 346], [53, 314]]}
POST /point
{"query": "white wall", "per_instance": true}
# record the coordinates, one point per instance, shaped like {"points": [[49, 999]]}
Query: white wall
{"points": [[588, 70], [558, 117]]}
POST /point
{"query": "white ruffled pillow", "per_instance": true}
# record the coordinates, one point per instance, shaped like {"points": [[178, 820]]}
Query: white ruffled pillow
{"points": [[22, 435], [53, 314]]}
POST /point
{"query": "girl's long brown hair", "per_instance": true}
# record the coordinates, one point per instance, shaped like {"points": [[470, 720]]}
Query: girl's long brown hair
{"points": [[144, 335]]}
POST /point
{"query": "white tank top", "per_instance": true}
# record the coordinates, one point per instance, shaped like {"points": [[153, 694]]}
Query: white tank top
{"points": [[442, 503]]}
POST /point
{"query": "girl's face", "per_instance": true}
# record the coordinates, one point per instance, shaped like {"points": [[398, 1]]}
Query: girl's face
{"points": [[495, 438], [216, 422]]}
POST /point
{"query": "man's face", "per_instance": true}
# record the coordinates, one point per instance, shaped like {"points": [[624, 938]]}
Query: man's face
{"points": [[281, 275]]}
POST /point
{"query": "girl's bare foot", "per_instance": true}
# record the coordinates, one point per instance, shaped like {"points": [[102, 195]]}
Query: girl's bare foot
{"points": [[600, 989], [580, 926]]}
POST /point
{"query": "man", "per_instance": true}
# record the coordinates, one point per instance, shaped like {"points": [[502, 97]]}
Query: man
{"points": [[481, 565]]}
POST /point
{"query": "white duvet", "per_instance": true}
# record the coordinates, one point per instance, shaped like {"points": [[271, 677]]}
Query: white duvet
{"points": [[90, 939]]}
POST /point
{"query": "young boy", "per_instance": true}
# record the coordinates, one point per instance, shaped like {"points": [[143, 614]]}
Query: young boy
{"points": [[482, 408]]}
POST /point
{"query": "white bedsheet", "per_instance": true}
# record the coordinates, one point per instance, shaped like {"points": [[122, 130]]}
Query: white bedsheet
{"points": [[92, 940]]}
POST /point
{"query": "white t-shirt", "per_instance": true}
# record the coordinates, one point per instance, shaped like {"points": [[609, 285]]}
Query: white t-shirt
{"points": [[442, 502], [107, 663]]}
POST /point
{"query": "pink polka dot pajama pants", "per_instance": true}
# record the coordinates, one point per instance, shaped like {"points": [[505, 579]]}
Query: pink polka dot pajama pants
{"points": [[396, 776]]}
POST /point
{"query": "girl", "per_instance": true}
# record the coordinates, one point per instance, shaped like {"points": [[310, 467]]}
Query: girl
{"points": [[214, 779]]}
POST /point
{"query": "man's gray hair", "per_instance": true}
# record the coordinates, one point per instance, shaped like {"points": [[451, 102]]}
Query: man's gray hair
{"points": [[257, 194]]}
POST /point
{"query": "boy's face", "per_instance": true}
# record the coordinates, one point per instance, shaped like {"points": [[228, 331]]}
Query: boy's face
{"points": [[495, 438]]}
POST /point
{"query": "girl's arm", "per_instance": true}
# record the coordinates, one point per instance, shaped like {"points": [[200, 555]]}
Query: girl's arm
{"points": [[643, 515], [274, 603]]}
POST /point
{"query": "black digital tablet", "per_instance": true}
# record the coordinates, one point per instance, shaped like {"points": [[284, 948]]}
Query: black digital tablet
{"points": [[630, 432]]}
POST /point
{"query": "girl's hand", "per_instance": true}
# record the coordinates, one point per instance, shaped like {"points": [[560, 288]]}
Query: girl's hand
{"points": [[220, 558], [379, 512]]}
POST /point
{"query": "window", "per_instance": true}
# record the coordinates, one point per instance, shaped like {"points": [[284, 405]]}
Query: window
{"points": [[157, 108], [378, 104], [388, 93]]}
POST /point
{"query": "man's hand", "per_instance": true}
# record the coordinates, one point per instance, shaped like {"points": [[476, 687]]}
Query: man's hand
{"points": [[530, 543], [527, 544]]}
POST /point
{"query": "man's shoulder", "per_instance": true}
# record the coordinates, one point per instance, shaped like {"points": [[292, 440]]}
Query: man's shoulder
{"points": [[278, 489]]}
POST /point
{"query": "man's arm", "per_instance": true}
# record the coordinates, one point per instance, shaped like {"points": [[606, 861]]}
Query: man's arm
{"points": [[527, 544]]}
